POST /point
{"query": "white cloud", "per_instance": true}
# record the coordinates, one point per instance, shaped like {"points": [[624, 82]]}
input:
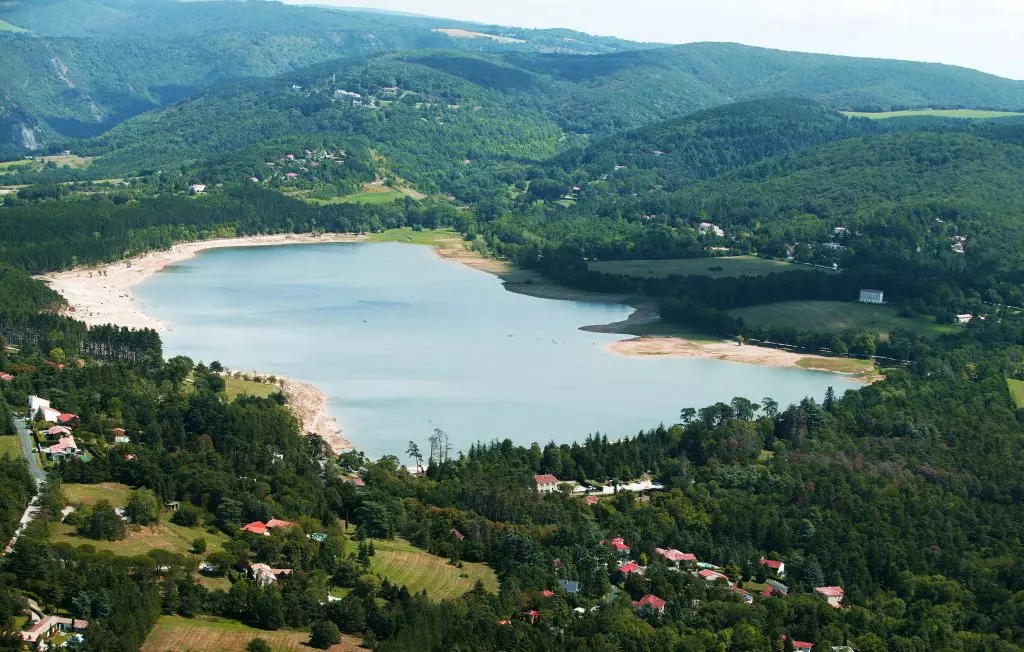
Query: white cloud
{"points": [[982, 34]]}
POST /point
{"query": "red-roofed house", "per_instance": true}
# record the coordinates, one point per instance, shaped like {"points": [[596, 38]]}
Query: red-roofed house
{"points": [[592, 500], [546, 483], [709, 575], [458, 535], [264, 574], [355, 481], [47, 625], [66, 447], [618, 544], [6, 376], [631, 567], [547, 593], [832, 594], [58, 430], [532, 615], [674, 556], [274, 522], [504, 621], [749, 599], [67, 418], [778, 566], [256, 527], [799, 645], [652, 601]]}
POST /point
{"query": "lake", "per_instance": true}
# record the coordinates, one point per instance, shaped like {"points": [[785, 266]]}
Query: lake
{"points": [[403, 342]]}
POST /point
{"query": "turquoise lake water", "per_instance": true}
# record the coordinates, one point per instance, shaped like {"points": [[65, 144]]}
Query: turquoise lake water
{"points": [[403, 342]]}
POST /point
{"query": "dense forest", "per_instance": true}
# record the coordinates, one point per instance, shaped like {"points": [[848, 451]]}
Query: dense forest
{"points": [[558, 152]]}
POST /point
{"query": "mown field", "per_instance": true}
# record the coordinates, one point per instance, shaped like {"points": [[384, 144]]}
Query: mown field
{"points": [[38, 162], [432, 237], [205, 634], [1016, 391], [235, 387], [976, 114], [402, 563], [165, 535], [731, 266], [836, 316], [9, 445]]}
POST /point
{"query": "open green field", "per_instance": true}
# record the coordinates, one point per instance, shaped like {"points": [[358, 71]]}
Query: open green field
{"points": [[207, 634], [385, 197], [90, 494], [1016, 391], [975, 114], [731, 266], [7, 27], [837, 316], [9, 445], [839, 365], [166, 535], [402, 563], [432, 237], [235, 387], [38, 162]]}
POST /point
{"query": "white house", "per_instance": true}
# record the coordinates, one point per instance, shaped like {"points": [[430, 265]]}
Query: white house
{"points": [[263, 574], [871, 296], [832, 594], [35, 404], [773, 564], [197, 188], [963, 319], [546, 483]]}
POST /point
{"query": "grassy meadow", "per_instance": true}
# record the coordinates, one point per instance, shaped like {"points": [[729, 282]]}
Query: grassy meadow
{"points": [[235, 387], [7, 27], [431, 237], [207, 634], [1016, 391], [972, 114], [165, 535], [836, 316], [731, 266], [37, 163], [403, 563], [9, 445]]}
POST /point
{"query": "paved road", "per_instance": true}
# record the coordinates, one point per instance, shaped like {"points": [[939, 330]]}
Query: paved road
{"points": [[28, 450]]}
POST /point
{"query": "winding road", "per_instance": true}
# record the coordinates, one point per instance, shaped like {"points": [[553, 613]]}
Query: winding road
{"points": [[25, 436]]}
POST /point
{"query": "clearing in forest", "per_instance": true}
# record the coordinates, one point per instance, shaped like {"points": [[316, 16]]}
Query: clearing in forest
{"points": [[836, 316], [206, 634], [165, 535], [1016, 391], [975, 114], [402, 563], [464, 33], [722, 267], [235, 387]]}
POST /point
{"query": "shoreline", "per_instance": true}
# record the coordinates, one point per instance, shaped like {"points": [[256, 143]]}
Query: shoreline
{"points": [[102, 294]]}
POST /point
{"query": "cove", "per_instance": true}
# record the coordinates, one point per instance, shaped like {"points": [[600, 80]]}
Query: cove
{"points": [[403, 342]]}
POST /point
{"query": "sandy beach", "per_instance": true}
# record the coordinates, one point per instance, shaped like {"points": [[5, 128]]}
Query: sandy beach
{"points": [[103, 295], [730, 352]]}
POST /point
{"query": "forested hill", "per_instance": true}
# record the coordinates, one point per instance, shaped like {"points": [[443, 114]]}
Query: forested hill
{"points": [[701, 145], [553, 98], [81, 66]]}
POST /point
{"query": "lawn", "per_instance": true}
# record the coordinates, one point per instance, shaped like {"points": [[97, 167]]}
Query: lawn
{"points": [[206, 634], [432, 237], [9, 445], [723, 267], [7, 27], [934, 113], [1016, 391], [235, 387], [166, 535], [90, 494], [385, 197], [402, 563], [839, 365], [835, 316]]}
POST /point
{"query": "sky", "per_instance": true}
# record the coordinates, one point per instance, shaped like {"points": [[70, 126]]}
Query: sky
{"points": [[986, 35]]}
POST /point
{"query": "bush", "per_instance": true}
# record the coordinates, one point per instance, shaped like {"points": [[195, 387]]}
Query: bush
{"points": [[324, 634], [198, 546], [186, 516], [258, 645]]}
